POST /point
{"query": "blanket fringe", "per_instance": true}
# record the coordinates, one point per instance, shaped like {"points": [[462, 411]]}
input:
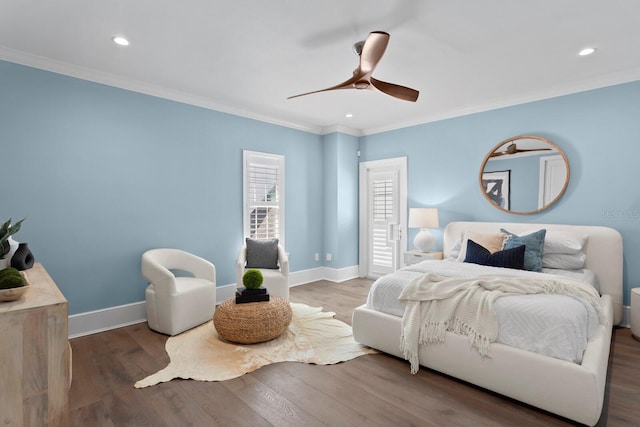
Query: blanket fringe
{"points": [[480, 342], [434, 332], [409, 355]]}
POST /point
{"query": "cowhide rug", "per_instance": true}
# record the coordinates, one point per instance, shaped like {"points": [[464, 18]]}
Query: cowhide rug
{"points": [[314, 336]]}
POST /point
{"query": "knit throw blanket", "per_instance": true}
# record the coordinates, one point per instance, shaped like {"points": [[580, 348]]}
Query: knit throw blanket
{"points": [[436, 304]]}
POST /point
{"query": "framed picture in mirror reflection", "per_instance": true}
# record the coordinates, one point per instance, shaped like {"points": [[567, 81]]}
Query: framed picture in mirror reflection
{"points": [[496, 187]]}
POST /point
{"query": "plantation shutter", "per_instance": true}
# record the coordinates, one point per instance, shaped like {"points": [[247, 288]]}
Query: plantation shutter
{"points": [[383, 215], [263, 195]]}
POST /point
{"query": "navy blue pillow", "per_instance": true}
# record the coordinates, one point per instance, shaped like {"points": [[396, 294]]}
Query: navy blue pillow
{"points": [[508, 258]]}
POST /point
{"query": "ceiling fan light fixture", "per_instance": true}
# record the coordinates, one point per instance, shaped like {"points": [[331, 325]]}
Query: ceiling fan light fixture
{"points": [[119, 40], [587, 51], [357, 47]]}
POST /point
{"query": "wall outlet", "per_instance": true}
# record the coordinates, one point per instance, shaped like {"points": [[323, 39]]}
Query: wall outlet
{"points": [[317, 256], [328, 257]]}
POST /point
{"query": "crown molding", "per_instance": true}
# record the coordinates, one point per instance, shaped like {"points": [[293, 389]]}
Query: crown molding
{"points": [[577, 87], [89, 74], [60, 67], [341, 129]]}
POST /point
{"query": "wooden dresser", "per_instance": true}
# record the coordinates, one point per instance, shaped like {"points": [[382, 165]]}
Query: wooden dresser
{"points": [[35, 355]]}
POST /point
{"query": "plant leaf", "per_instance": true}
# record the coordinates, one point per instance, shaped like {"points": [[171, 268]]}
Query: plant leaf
{"points": [[5, 229], [15, 227], [4, 248]]}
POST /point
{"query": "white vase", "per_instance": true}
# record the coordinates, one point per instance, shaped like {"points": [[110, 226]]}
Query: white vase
{"points": [[6, 261]]}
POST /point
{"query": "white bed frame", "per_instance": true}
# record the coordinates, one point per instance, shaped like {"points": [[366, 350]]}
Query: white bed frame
{"points": [[563, 388]]}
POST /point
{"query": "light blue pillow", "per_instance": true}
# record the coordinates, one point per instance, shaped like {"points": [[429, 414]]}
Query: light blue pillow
{"points": [[534, 244]]}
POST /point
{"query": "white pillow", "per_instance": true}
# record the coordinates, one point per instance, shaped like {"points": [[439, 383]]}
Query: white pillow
{"points": [[455, 249], [563, 242], [564, 261]]}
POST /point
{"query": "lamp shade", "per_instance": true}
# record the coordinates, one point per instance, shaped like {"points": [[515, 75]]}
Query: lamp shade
{"points": [[423, 218]]}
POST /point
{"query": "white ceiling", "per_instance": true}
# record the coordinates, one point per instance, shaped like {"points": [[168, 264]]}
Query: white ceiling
{"points": [[246, 56]]}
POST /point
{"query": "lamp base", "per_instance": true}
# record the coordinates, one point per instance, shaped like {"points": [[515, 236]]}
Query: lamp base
{"points": [[424, 240]]}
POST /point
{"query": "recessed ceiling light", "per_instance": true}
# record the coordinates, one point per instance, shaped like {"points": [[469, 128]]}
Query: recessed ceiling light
{"points": [[587, 51], [348, 115], [120, 41]]}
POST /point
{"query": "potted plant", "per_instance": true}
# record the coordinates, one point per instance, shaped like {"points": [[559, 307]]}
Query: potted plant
{"points": [[6, 231], [253, 290], [252, 279]]}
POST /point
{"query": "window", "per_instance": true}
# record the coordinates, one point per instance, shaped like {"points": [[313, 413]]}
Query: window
{"points": [[263, 195]]}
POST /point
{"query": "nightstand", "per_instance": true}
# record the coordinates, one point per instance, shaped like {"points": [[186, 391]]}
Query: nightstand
{"points": [[635, 313], [414, 257]]}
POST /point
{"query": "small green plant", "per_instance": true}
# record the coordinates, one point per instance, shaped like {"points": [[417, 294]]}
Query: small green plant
{"points": [[6, 231], [252, 279], [11, 278]]}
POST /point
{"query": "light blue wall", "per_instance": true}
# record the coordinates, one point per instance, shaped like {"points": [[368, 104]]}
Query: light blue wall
{"points": [[103, 174], [599, 131], [341, 199], [347, 196]]}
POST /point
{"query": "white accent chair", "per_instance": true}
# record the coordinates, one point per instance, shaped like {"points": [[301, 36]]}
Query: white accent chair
{"points": [[175, 304], [276, 280]]}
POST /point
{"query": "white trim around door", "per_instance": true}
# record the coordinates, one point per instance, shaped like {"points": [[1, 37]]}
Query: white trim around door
{"points": [[396, 231]]}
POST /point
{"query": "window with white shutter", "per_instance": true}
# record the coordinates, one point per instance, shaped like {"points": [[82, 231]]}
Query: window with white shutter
{"points": [[263, 197]]}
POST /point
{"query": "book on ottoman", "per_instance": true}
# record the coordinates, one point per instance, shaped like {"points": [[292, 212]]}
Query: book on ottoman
{"points": [[257, 291], [244, 295]]}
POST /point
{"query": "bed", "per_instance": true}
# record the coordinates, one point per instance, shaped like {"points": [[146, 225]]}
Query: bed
{"points": [[569, 389]]}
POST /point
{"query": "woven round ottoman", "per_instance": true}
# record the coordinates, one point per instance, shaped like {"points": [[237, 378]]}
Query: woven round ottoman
{"points": [[252, 322]]}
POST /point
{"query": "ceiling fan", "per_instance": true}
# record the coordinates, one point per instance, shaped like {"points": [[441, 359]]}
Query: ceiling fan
{"points": [[370, 52], [513, 149]]}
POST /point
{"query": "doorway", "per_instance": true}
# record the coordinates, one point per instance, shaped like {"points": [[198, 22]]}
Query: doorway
{"points": [[553, 177], [383, 216]]}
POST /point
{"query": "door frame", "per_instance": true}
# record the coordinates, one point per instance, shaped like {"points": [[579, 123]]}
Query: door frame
{"points": [[546, 162], [400, 164]]}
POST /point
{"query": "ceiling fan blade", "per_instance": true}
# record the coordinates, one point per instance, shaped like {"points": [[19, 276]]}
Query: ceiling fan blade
{"points": [[400, 92], [524, 150], [514, 150], [348, 84], [372, 51]]}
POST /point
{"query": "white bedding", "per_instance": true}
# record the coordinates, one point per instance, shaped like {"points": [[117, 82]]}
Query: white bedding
{"points": [[552, 325]]}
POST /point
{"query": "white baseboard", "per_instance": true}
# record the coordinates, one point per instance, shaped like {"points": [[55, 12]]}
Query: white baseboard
{"points": [[225, 292], [340, 275], [105, 319], [323, 273]]}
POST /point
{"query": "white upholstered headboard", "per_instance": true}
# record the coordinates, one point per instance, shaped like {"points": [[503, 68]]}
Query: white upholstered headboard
{"points": [[603, 250]]}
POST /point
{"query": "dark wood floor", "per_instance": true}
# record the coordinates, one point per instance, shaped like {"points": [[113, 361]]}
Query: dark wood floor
{"points": [[370, 390]]}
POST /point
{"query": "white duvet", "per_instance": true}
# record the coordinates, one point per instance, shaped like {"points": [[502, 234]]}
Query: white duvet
{"points": [[553, 325]]}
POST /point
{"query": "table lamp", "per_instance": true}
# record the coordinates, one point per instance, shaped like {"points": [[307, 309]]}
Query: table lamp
{"points": [[423, 218]]}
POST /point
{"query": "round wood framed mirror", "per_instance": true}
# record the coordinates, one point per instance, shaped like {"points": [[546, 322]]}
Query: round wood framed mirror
{"points": [[524, 174]]}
